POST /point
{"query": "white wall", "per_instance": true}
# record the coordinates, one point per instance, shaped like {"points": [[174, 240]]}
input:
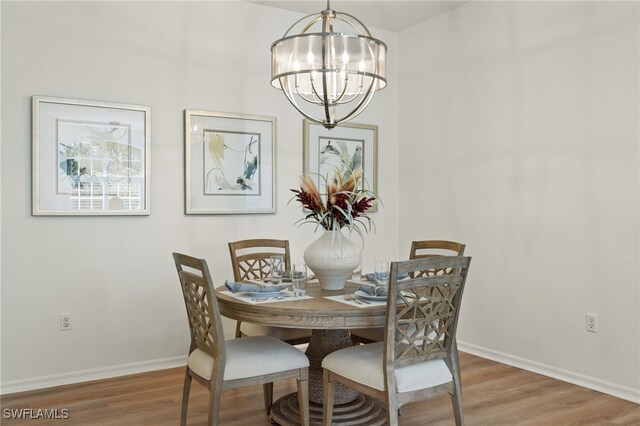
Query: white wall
{"points": [[519, 136], [115, 274]]}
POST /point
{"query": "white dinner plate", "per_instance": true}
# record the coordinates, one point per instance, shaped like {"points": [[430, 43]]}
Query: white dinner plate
{"points": [[263, 293], [367, 296]]}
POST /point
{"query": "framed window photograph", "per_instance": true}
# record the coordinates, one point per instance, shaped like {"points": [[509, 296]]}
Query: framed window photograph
{"points": [[230, 163], [89, 158], [343, 149]]}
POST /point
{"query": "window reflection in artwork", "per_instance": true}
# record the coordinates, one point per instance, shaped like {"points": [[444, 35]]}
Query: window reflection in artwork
{"points": [[98, 167], [231, 161]]}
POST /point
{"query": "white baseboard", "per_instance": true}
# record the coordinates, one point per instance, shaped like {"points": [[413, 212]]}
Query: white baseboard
{"points": [[88, 375], [613, 389]]}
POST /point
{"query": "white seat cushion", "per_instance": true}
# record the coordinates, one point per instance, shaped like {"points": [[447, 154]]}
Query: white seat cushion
{"points": [[279, 333], [364, 364], [373, 334], [250, 357]]}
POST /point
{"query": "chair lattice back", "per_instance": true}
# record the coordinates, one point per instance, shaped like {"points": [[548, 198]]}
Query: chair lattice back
{"points": [[432, 248], [202, 307], [422, 318], [250, 258]]}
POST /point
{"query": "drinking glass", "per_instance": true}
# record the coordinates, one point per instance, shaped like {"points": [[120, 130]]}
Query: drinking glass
{"points": [[299, 279], [357, 273], [381, 272], [277, 269]]}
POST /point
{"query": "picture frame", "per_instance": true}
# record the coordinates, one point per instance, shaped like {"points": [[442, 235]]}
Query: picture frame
{"points": [[230, 163], [326, 150], [90, 158]]}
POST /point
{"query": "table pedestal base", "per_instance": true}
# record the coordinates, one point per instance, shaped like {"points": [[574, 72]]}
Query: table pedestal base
{"points": [[321, 344], [363, 410]]}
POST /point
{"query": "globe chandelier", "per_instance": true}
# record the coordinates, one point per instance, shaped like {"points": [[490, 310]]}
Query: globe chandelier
{"points": [[328, 66]]}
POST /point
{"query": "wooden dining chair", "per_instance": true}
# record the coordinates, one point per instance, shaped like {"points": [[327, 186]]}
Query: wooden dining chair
{"points": [[419, 250], [431, 248], [250, 261], [418, 358], [221, 365]]}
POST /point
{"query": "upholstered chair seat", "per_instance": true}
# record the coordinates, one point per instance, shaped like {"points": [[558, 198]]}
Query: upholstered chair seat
{"points": [[366, 335], [364, 364], [275, 356]]}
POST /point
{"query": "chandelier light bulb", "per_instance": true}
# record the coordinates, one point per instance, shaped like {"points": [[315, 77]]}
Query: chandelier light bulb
{"points": [[345, 58]]}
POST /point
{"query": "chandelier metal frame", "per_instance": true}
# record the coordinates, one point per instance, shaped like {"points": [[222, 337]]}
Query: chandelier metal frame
{"points": [[342, 81]]}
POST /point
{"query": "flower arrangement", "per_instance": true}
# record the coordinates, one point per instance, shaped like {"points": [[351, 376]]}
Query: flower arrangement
{"points": [[345, 204]]}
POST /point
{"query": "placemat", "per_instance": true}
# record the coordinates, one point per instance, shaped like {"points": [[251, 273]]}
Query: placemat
{"points": [[285, 296], [360, 304]]}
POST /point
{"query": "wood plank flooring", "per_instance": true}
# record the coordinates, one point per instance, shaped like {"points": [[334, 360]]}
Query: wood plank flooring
{"points": [[493, 394]]}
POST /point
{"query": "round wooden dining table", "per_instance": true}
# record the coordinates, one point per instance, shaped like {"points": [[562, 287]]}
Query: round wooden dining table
{"points": [[330, 322]]}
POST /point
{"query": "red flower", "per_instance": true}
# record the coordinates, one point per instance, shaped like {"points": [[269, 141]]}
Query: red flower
{"points": [[346, 203]]}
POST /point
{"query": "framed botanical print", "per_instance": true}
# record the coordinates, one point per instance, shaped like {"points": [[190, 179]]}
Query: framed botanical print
{"points": [[230, 163], [343, 149]]}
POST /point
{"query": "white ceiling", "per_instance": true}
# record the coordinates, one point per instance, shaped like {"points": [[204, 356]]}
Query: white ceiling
{"points": [[388, 15]]}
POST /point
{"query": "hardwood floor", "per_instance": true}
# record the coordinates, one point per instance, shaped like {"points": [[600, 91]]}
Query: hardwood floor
{"points": [[493, 394]]}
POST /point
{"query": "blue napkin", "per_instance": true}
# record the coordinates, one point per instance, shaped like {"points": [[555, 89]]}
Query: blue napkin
{"points": [[373, 290], [383, 279], [258, 288], [377, 277]]}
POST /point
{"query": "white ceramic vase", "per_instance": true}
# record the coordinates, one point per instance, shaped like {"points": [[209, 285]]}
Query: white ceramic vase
{"points": [[332, 258]]}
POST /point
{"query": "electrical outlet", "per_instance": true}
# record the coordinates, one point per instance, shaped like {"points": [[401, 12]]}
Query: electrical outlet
{"points": [[65, 322], [592, 323]]}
